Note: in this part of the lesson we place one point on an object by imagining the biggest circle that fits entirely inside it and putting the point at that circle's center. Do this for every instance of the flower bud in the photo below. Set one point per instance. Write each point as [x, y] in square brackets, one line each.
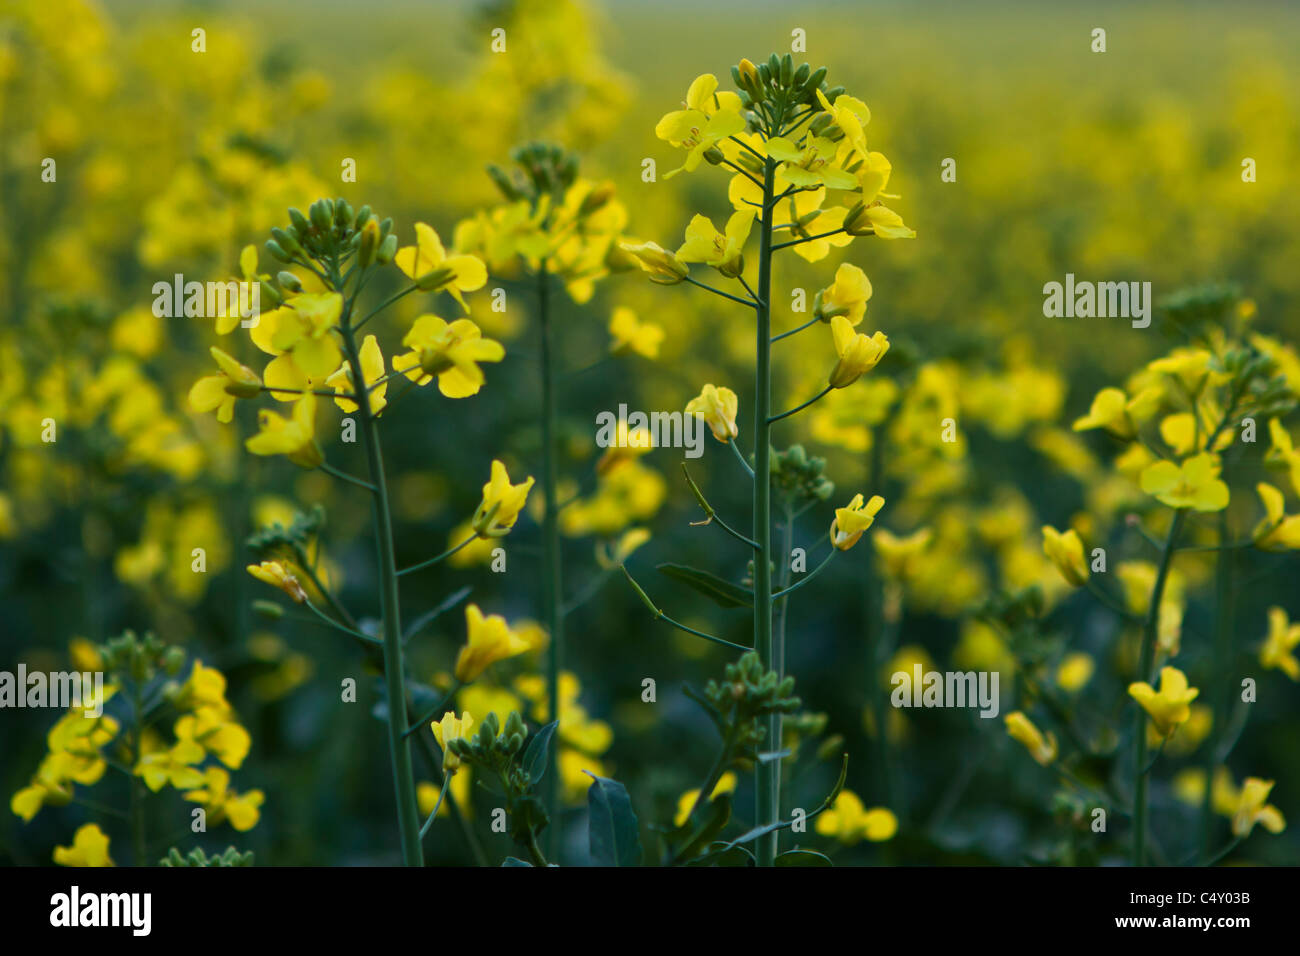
[387, 249]
[288, 281]
[369, 242]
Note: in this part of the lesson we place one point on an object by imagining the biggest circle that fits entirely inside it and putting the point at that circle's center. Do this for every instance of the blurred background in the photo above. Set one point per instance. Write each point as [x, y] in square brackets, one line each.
[1123, 165]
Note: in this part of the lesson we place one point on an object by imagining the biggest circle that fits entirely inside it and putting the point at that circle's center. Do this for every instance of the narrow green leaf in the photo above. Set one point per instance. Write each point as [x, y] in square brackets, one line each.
[721, 592]
[535, 756]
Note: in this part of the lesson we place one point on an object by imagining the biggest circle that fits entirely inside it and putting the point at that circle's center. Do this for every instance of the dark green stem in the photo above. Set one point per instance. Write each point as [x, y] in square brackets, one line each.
[552, 584]
[1141, 768]
[408, 811]
[767, 773]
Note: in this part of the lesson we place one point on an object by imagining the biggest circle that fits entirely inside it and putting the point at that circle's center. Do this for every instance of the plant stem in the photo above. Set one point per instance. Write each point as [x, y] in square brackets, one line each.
[767, 773]
[1141, 768]
[552, 596]
[139, 839]
[1219, 668]
[408, 813]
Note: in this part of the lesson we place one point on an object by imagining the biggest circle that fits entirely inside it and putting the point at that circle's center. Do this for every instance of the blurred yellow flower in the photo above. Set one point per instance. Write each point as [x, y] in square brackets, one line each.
[1278, 649]
[726, 784]
[1253, 808]
[1276, 531]
[1066, 552]
[489, 640]
[295, 438]
[630, 334]
[222, 803]
[849, 821]
[1194, 484]
[1170, 706]
[1021, 729]
[89, 848]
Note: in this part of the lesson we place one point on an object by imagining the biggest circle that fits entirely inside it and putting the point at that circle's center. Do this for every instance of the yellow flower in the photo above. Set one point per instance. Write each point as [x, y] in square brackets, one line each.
[812, 163]
[214, 731]
[1252, 808]
[1074, 671]
[372, 367]
[723, 251]
[1194, 484]
[205, 687]
[277, 575]
[301, 336]
[857, 353]
[1041, 747]
[630, 334]
[849, 821]
[850, 114]
[220, 391]
[846, 296]
[1277, 531]
[490, 640]
[726, 784]
[879, 221]
[1168, 708]
[1282, 452]
[294, 438]
[502, 502]
[449, 350]
[448, 729]
[222, 803]
[608, 557]
[89, 848]
[1279, 646]
[1189, 787]
[849, 523]
[719, 407]
[657, 262]
[1109, 411]
[173, 766]
[898, 556]
[1066, 552]
[708, 118]
[429, 265]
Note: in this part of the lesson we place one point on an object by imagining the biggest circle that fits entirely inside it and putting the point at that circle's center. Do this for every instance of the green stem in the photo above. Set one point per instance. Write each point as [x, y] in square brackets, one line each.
[139, 837]
[766, 773]
[1141, 768]
[552, 584]
[434, 560]
[408, 812]
[1219, 668]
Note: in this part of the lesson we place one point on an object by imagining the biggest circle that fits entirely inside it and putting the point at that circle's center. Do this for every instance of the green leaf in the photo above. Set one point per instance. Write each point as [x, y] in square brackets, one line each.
[612, 829]
[803, 858]
[723, 593]
[722, 855]
[535, 756]
[515, 861]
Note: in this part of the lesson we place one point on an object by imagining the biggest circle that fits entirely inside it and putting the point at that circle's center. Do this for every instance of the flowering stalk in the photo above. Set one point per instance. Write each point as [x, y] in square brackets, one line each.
[553, 595]
[1150, 629]
[768, 778]
[408, 814]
